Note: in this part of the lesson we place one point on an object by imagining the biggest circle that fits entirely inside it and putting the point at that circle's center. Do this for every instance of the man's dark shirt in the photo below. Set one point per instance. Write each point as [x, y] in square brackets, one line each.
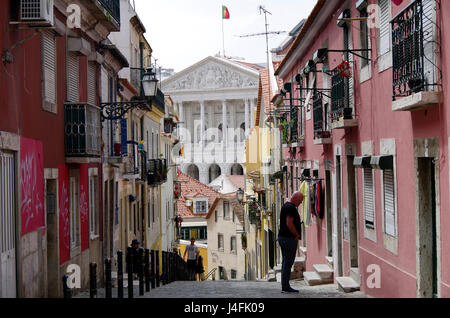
[289, 209]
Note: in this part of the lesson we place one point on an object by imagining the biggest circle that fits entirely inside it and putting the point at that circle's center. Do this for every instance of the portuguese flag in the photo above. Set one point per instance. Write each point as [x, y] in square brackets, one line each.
[225, 13]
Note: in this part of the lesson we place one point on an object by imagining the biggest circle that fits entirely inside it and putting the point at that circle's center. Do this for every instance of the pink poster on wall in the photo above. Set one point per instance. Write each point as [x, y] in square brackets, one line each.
[64, 230]
[32, 185]
[84, 206]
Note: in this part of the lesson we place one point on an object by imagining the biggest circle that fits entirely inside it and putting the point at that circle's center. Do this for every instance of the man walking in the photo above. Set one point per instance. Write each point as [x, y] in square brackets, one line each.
[288, 237]
[193, 252]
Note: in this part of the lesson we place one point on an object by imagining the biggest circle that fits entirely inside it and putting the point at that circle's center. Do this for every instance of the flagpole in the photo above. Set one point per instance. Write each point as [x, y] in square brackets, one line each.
[223, 36]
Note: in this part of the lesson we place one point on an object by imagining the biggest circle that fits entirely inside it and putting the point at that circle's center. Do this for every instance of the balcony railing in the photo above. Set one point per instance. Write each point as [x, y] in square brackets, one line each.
[82, 130]
[132, 163]
[157, 172]
[340, 94]
[113, 7]
[159, 102]
[413, 49]
[294, 124]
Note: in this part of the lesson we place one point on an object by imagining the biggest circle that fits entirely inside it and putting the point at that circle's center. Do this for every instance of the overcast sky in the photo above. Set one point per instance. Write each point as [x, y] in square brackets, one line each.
[183, 32]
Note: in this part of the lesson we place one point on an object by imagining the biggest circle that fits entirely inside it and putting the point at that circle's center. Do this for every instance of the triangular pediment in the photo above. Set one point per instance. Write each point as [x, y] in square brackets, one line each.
[212, 73]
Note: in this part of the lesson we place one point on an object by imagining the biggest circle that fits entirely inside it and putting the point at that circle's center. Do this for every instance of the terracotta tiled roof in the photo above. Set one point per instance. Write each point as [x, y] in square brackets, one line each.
[264, 92]
[237, 181]
[192, 188]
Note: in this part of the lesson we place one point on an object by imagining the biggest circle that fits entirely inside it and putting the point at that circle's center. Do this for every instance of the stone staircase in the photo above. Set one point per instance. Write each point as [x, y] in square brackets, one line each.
[350, 284]
[296, 272]
[323, 274]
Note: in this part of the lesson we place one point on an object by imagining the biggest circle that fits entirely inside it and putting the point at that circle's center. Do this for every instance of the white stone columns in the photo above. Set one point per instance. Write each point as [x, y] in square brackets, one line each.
[202, 127]
[224, 123]
[247, 119]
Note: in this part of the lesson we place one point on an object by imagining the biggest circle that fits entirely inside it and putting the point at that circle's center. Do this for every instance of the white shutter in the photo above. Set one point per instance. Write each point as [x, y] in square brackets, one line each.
[429, 20]
[389, 202]
[7, 226]
[385, 26]
[369, 206]
[72, 77]
[49, 70]
[92, 83]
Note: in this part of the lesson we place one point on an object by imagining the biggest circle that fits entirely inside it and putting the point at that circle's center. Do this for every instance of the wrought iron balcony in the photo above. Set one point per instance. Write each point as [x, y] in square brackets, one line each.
[159, 102]
[113, 7]
[157, 172]
[82, 131]
[294, 125]
[132, 162]
[341, 112]
[320, 134]
[414, 58]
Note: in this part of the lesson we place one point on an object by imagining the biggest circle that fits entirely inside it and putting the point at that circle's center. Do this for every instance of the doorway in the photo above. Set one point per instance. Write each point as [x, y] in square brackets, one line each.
[427, 284]
[8, 208]
[339, 215]
[352, 212]
[52, 237]
[329, 214]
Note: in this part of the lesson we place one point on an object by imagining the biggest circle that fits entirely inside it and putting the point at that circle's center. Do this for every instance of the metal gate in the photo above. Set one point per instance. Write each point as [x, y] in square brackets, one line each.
[7, 225]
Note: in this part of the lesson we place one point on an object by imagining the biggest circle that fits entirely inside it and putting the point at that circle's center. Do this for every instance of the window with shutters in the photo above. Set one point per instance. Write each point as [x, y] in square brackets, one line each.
[93, 206]
[220, 242]
[364, 36]
[390, 225]
[384, 31]
[226, 210]
[49, 73]
[92, 83]
[233, 245]
[72, 77]
[74, 205]
[369, 200]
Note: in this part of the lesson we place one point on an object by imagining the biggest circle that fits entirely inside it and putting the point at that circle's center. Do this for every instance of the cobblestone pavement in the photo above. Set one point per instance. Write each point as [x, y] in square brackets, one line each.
[246, 289]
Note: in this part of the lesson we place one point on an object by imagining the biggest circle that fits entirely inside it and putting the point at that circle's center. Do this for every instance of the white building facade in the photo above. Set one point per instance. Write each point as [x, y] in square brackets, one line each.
[216, 102]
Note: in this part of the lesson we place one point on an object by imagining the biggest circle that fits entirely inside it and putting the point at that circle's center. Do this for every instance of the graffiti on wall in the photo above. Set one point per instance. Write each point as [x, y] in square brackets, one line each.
[32, 185]
[64, 230]
[84, 206]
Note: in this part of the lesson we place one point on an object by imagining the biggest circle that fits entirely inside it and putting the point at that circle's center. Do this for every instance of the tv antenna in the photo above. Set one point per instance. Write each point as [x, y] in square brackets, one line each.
[262, 10]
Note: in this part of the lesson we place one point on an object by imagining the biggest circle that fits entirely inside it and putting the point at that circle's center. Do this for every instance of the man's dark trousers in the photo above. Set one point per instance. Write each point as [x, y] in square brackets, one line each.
[288, 251]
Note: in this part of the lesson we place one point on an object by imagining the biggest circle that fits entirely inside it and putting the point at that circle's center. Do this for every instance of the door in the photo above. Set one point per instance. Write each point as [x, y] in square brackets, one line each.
[353, 216]
[427, 244]
[339, 214]
[329, 212]
[7, 225]
[271, 244]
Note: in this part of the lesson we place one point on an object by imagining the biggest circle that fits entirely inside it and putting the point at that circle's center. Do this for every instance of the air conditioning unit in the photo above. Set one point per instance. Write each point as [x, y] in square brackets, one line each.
[37, 11]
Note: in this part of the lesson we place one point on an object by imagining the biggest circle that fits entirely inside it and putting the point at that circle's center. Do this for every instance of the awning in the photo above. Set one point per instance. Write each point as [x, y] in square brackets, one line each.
[362, 162]
[382, 162]
[186, 223]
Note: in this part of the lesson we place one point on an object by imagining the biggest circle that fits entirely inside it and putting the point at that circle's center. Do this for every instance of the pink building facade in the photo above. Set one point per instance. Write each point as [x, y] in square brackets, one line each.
[375, 132]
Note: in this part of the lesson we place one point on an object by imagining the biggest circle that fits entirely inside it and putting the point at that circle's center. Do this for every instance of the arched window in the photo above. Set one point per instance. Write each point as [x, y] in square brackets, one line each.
[237, 170]
[214, 172]
[193, 172]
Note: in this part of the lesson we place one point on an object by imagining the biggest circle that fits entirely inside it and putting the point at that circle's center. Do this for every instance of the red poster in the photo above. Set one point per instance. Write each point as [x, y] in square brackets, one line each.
[84, 206]
[32, 185]
[64, 230]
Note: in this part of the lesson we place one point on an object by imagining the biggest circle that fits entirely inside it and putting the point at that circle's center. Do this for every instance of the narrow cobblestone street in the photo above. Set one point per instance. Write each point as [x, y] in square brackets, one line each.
[246, 289]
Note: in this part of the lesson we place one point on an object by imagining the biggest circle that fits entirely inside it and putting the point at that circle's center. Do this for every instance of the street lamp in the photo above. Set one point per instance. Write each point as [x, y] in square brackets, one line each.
[149, 83]
[117, 110]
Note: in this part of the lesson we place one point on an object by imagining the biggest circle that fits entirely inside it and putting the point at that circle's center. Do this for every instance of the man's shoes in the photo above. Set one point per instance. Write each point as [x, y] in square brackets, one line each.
[290, 291]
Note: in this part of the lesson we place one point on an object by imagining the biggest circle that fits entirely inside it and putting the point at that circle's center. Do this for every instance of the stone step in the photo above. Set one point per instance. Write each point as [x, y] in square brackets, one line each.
[324, 271]
[355, 275]
[347, 284]
[330, 261]
[313, 279]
